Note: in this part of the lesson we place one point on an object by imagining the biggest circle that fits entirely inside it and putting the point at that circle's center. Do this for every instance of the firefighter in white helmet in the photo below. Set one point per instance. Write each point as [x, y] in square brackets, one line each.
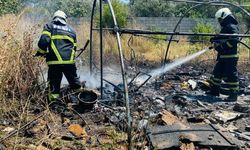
[58, 44]
[227, 58]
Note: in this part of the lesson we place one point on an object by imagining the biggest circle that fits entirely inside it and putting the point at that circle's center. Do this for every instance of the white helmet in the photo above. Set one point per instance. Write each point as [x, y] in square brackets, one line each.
[60, 16]
[222, 13]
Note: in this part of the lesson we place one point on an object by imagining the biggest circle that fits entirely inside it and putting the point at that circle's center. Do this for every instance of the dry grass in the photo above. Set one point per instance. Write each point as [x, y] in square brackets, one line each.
[19, 71]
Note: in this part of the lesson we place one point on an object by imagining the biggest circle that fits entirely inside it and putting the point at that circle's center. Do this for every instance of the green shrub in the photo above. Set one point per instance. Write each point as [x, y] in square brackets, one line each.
[121, 13]
[203, 28]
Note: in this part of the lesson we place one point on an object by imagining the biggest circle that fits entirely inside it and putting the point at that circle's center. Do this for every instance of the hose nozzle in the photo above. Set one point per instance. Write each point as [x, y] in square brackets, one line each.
[210, 47]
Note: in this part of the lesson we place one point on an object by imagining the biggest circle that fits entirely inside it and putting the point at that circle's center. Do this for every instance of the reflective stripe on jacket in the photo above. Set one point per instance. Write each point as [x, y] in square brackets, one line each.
[58, 42]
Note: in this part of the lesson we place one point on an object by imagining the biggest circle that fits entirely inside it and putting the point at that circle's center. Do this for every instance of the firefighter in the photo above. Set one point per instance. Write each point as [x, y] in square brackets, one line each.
[226, 68]
[58, 44]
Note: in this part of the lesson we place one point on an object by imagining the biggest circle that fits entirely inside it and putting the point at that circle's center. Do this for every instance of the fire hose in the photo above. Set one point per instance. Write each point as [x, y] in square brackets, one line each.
[247, 46]
[238, 41]
[83, 49]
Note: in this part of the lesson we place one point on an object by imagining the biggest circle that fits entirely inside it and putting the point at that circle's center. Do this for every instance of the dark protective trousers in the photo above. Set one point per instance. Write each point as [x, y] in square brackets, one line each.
[55, 74]
[225, 70]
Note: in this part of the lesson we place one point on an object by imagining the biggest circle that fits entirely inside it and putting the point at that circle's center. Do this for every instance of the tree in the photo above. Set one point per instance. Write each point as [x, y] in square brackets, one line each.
[151, 8]
[163, 8]
[10, 6]
[74, 8]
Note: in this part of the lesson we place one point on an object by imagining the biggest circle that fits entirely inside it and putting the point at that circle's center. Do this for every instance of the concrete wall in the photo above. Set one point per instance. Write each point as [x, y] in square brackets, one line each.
[158, 23]
[151, 23]
[168, 23]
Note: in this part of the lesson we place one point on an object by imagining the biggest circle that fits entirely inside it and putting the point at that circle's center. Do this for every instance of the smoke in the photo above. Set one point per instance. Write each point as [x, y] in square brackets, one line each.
[168, 67]
[112, 73]
[92, 81]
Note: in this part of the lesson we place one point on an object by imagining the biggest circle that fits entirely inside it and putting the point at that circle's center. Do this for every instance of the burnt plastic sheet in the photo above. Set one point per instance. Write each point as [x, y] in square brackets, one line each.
[167, 137]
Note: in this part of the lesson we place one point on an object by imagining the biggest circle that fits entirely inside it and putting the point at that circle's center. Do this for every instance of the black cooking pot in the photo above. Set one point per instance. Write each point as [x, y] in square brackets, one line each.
[87, 99]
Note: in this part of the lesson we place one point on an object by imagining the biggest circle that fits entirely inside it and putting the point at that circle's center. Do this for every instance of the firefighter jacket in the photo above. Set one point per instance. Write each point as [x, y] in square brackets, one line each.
[227, 46]
[58, 44]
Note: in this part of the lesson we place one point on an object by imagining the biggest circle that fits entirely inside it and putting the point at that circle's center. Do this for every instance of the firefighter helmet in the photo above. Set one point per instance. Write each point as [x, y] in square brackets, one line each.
[60, 16]
[222, 13]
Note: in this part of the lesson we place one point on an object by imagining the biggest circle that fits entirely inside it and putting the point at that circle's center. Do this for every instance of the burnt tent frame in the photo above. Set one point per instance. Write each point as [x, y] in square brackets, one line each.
[118, 32]
[124, 75]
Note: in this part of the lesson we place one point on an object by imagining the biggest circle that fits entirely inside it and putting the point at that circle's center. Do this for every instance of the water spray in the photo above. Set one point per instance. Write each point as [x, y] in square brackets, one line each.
[168, 67]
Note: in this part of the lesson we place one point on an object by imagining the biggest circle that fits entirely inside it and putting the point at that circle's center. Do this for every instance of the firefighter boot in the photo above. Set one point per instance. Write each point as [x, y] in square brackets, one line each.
[214, 91]
[232, 97]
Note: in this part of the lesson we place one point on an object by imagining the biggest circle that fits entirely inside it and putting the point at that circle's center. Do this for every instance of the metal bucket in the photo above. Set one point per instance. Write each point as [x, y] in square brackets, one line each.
[87, 99]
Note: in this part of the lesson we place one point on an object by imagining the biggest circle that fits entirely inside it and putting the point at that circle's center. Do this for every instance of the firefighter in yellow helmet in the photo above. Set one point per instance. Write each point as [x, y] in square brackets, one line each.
[58, 44]
[227, 58]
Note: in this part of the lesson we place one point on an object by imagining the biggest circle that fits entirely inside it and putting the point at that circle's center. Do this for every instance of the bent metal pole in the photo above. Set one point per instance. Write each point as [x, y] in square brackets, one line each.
[91, 38]
[197, 6]
[101, 48]
[196, 2]
[124, 76]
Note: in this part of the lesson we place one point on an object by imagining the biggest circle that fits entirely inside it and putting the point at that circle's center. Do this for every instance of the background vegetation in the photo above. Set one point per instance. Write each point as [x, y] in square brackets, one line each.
[202, 27]
[144, 8]
[11, 6]
[135, 8]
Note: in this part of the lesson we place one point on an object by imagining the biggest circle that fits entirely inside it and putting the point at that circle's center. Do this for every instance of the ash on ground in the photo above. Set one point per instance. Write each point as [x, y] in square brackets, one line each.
[170, 112]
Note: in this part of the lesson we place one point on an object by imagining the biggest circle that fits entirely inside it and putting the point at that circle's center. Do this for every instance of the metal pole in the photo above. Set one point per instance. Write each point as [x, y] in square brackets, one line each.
[91, 39]
[147, 32]
[124, 77]
[101, 49]
[196, 2]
